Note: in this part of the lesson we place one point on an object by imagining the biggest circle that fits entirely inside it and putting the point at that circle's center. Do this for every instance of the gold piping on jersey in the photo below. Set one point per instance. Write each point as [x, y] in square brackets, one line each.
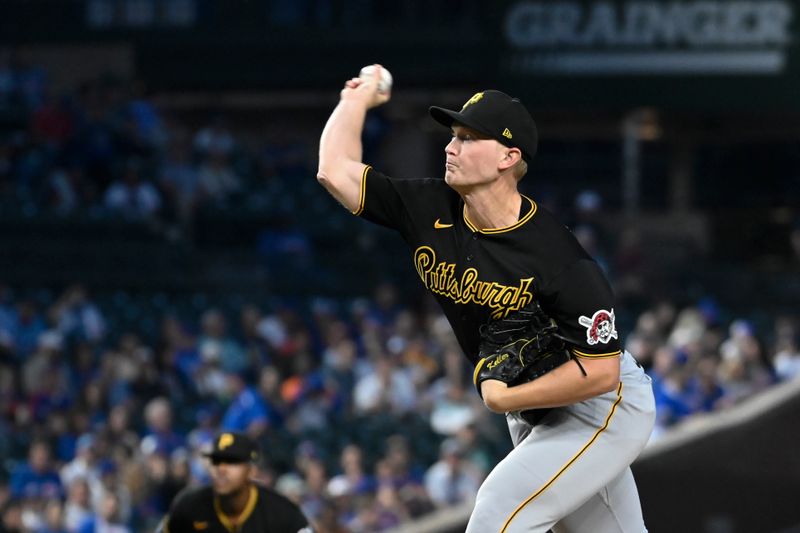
[491, 231]
[478, 369]
[440, 278]
[235, 525]
[596, 355]
[568, 464]
[362, 191]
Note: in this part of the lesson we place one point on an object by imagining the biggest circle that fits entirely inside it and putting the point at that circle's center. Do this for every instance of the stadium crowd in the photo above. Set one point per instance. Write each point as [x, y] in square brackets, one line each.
[364, 407]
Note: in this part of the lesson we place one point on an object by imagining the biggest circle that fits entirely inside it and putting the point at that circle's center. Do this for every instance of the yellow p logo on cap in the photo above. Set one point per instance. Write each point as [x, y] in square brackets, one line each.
[474, 99]
[225, 440]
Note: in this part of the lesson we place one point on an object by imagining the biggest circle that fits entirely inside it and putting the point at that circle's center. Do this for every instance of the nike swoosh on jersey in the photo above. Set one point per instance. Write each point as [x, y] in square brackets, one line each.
[439, 225]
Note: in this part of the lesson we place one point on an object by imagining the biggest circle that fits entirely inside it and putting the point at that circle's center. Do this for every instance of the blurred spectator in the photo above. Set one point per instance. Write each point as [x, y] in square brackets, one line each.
[179, 352]
[452, 480]
[247, 412]
[399, 469]
[11, 517]
[77, 316]
[68, 190]
[218, 182]
[703, 391]
[454, 410]
[115, 485]
[315, 406]
[298, 367]
[147, 123]
[316, 481]
[160, 435]
[475, 452]
[588, 207]
[36, 478]
[292, 486]
[353, 474]
[131, 196]
[53, 518]
[331, 517]
[78, 508]
[668, 382]
[106, 519]
[389, 510]
[688, 329]
[118, 430]
[46, 376]
[159, 487]
[84, 469]
[216, 345]
[385, 306]
[274, 330]
[340, 366]
[179, 475]
[269, 388]
[215, 137]
[787, 353]
[743, 370]
[388, 389]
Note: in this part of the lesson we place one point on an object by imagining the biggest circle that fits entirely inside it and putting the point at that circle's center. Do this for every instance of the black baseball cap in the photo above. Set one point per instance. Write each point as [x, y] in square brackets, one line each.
[234, 448]
[496, 115]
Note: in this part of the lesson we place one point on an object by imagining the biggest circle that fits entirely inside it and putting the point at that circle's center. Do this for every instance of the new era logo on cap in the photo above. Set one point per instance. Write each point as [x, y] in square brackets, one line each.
[495, 114]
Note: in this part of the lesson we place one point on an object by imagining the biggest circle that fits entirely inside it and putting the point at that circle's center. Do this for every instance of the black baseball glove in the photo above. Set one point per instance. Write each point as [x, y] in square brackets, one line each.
[519, 348]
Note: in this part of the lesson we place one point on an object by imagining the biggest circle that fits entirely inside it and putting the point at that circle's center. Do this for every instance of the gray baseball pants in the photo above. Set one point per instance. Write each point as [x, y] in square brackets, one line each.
[571, 472]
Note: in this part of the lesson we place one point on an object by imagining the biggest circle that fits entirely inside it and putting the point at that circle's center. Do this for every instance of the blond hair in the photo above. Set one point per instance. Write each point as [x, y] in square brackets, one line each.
[520, 169]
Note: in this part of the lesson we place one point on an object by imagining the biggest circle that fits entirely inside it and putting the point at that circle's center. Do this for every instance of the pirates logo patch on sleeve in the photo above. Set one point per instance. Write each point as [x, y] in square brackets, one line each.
[600, 328]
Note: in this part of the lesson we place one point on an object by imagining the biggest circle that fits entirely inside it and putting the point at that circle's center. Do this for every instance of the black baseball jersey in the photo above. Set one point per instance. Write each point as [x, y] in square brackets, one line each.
[478, 274]
[198, 510]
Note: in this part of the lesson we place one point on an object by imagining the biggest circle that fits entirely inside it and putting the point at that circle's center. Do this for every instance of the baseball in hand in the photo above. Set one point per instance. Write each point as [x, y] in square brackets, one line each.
[385, 83]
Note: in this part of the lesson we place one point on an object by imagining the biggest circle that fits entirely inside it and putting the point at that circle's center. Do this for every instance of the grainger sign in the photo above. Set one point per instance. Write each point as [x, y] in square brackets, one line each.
[643, 38]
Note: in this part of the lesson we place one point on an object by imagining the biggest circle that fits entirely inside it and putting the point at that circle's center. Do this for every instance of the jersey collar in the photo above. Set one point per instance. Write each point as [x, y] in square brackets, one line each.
[532, 207]
[232, 524]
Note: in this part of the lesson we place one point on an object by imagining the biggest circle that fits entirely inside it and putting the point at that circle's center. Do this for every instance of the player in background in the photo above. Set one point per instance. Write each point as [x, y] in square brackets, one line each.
[233, 503]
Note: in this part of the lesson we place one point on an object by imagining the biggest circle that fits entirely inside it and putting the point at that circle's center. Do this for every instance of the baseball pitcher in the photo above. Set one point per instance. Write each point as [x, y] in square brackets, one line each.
[530, 308]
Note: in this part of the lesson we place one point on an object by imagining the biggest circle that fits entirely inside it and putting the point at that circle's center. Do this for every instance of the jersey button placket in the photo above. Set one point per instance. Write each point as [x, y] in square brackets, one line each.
[470, 256]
